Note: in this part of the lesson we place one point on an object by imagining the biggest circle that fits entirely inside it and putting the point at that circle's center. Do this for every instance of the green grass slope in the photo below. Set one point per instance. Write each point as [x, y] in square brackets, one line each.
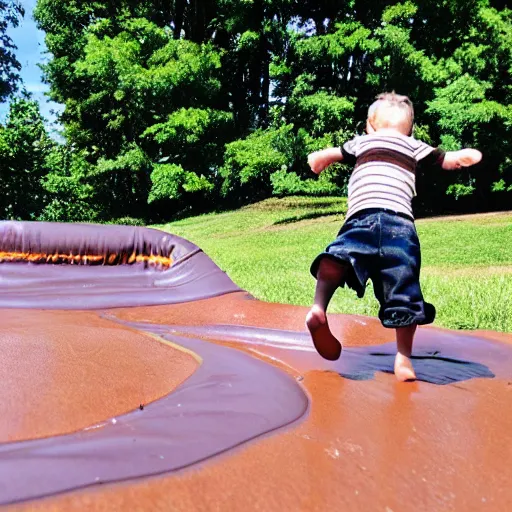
[267, 248]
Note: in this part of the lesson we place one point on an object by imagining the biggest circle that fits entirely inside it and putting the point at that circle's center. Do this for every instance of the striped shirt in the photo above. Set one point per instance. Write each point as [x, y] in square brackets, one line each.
[384, 175]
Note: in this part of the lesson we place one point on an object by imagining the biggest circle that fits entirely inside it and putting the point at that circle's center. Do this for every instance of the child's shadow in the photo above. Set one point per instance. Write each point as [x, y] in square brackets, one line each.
[361, 363]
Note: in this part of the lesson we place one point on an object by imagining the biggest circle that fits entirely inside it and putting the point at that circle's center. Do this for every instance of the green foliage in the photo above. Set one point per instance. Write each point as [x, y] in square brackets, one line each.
[188, 126]
[191, 136]
[401, 13]
[459, 190]
[149, 98]
[10, 13]
[249, 163]
[128, 221]
[24, 145]
[71, 196]
[184, 105]
[289, 183]
[462, 108]
[130, 160]
[322, 112]
[135, 78]
[172, 182]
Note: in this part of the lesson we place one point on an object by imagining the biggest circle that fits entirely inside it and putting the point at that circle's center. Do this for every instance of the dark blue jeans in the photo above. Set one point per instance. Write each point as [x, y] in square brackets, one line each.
[383, 246]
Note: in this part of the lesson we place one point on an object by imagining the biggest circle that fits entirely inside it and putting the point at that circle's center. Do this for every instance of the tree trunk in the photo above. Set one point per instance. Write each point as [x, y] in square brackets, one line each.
[265, 82]
[179, 16]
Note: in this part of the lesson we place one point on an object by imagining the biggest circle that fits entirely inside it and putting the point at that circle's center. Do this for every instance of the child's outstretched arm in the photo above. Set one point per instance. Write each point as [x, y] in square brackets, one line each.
[462, 158]
[319, 160]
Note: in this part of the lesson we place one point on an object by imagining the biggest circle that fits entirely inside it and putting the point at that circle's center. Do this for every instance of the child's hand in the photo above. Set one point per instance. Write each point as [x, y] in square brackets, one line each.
[317, 162]
[462, 158]
[469, 157]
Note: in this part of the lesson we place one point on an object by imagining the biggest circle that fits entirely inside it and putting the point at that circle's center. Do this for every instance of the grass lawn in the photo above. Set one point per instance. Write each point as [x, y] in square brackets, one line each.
[267, 248]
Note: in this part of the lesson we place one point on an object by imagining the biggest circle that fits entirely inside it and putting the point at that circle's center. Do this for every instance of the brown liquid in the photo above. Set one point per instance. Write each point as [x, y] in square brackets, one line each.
[239, 413]
[365, 444]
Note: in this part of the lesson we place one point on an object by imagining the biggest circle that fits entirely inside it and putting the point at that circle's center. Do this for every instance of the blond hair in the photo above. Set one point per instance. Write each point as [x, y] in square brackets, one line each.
[391, 110]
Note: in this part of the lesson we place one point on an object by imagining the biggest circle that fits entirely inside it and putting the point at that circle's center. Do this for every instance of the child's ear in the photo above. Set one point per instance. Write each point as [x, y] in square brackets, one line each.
[369, 127]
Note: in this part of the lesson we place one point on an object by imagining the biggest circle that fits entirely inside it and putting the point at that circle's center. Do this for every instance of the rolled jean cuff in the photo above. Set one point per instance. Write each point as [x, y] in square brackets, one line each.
[400, 316]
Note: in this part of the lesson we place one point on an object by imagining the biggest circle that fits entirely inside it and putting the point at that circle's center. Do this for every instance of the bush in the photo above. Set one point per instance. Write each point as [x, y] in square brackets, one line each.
[286, 183]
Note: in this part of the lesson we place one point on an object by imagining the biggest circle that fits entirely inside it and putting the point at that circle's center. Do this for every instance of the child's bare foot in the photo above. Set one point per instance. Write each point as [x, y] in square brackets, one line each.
[325, 343]
[403, 368]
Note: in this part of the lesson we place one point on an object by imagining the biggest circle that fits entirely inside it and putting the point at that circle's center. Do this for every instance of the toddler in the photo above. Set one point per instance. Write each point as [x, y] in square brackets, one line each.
[378, 240]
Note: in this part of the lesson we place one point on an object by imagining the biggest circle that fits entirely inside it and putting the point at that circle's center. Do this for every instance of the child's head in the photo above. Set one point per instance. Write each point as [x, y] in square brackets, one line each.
[391, 110]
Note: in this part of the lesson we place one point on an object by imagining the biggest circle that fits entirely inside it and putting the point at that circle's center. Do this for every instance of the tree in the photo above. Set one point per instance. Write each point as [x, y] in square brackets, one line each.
[182, 103]
[150, 100]
[24, 146]
[454, 72]
[70, 191]
[10, 13]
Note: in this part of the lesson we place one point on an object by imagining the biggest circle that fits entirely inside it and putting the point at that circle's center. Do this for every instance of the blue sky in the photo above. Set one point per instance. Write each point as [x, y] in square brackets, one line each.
[30, 53]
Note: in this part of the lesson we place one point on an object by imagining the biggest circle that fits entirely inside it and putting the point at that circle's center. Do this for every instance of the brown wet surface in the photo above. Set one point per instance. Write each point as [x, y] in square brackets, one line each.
[366, 444]
[240, 309]
[236, 435]
[64, 372]
[392, 453]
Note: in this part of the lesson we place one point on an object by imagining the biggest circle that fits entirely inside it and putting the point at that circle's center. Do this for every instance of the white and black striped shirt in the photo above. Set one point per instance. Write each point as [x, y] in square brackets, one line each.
[384, 175]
